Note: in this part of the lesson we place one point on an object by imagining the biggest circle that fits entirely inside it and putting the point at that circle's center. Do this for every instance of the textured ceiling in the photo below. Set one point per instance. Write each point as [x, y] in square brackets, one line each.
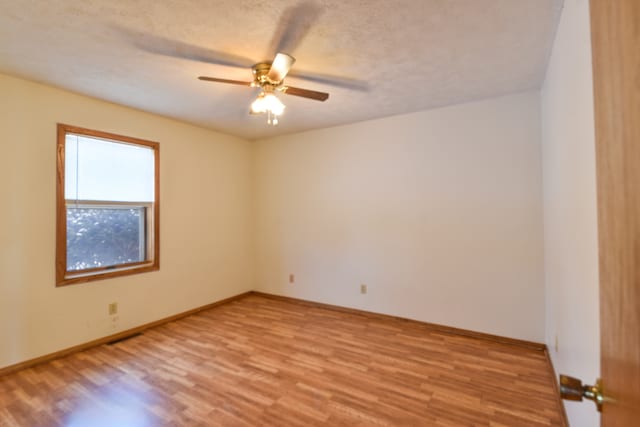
[375, 57]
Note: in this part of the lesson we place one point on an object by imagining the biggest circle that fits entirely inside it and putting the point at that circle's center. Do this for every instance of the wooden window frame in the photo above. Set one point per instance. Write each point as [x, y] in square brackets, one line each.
[152, 211]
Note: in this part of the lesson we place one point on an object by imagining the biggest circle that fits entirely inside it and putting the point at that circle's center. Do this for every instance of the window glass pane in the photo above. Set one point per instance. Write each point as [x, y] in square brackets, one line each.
[102, 170]
[101, 237]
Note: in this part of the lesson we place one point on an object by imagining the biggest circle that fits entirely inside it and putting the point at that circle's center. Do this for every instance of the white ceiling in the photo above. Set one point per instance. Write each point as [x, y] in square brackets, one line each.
[383, 57]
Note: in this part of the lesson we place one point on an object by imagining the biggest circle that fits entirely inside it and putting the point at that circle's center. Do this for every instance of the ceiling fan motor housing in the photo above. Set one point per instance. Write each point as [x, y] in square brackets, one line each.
[261, 74]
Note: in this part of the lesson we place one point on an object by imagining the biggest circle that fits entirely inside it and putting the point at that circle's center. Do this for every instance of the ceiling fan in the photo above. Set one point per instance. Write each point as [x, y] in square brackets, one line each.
[294, 23]
[269, 76]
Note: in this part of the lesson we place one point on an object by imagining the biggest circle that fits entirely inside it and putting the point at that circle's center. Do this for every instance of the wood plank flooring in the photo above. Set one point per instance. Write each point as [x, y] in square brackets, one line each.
[259, 361]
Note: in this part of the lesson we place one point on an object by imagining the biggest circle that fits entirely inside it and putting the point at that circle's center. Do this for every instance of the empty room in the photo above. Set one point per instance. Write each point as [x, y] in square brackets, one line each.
[319, 212]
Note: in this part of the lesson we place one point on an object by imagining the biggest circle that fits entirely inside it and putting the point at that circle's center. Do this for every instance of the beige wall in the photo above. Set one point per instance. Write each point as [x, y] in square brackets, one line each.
[206, 249]
[570, 217]
[438, 212]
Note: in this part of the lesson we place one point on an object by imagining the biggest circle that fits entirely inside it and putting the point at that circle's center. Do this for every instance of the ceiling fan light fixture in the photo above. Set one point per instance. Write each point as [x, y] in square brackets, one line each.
[258, 106]
[270, 104]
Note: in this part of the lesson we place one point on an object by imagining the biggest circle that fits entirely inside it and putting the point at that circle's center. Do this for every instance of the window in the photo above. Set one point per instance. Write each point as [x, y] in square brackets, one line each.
[107, 205]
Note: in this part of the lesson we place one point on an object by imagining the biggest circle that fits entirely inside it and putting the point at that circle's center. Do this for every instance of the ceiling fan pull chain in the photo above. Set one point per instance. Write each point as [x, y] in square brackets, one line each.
[272, 118]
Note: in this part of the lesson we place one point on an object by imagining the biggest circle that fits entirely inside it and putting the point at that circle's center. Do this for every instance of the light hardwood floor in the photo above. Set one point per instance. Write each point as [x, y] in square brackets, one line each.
[260, 361]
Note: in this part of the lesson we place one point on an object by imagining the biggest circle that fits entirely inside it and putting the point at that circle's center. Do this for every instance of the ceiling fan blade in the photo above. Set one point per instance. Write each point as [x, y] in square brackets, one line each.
[343, 82]
[233, 82]
[280, 67]
[159, 45]
[293, 26]
[306, 93]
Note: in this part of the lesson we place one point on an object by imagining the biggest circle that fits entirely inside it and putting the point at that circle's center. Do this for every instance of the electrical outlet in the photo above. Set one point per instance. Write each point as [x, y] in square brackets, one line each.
[113, 308]
[292, 278]
[363, 288]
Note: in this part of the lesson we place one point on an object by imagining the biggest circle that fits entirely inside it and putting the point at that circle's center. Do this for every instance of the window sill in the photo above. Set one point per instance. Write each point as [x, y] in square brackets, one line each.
[71, 278]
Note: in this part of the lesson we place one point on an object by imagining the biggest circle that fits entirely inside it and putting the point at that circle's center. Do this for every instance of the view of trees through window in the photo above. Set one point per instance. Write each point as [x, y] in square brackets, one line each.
[102, 237]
